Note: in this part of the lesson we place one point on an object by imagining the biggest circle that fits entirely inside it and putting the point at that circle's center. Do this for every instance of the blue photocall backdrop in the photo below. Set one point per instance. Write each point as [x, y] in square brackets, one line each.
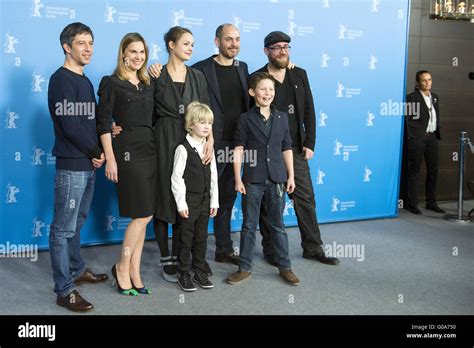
[353, 51]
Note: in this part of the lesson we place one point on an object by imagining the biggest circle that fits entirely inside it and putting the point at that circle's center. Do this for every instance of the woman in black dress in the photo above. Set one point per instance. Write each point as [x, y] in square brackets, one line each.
[177, 86]
[126, 97]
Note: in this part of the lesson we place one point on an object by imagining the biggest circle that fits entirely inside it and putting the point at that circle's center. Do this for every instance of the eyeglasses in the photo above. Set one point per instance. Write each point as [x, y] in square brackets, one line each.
[280, 48]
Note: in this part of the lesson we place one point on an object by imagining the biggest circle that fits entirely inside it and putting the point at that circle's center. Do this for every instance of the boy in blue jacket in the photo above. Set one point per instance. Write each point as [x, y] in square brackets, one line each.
[264, 131]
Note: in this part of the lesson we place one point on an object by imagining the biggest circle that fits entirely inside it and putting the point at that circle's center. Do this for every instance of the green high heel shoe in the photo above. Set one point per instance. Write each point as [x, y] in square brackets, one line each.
[126, 292]
[143, 291]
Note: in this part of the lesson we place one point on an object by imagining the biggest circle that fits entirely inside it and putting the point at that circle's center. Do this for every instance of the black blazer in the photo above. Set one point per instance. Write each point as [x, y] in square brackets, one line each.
[304, 105]
[250, 134]
[415, 125]
[207, 67]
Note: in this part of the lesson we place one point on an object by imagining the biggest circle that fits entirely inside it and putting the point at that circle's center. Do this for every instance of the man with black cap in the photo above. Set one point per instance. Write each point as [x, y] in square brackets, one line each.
[293, 96]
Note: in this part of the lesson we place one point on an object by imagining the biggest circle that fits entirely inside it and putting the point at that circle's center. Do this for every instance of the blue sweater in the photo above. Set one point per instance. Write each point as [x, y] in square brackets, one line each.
[73, 107]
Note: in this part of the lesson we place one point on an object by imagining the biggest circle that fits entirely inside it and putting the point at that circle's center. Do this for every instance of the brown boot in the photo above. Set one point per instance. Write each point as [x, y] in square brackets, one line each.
[74, 302]
[238, 277]
[289, 277]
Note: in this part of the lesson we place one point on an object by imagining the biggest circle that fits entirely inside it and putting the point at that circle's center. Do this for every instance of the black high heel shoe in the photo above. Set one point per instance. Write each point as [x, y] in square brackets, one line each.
[143, 291]
[126, 292]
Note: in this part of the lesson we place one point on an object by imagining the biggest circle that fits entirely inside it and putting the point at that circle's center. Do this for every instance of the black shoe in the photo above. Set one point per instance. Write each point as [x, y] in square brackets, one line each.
[436, 208]
[227, 258]
[207, 269]
[74, 302]
[185, 282]
[201, 278]
[169, 269]
[413, 210]
[126, 292]
[323, 259]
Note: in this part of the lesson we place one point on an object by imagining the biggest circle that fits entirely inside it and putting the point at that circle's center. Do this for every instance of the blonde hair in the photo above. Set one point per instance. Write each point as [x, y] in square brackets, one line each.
[121, 69]
[197, 112]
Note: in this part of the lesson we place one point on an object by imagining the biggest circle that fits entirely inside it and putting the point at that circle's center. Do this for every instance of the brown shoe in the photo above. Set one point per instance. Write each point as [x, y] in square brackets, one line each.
[89, 277]
[238, 277]
[289, 277]
[74, 302]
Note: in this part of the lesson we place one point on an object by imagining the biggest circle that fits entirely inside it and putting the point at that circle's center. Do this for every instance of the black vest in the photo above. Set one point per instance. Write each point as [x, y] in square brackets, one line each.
[197, 176]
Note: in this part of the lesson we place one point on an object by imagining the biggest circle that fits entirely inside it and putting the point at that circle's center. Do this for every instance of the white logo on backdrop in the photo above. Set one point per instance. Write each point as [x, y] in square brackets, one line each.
[338, 205]
[109, 13]
[110, 220]
[37, 6]
[234, 213]
[346, 150]
[340, 88]
[350, 92]
[370, 119]
[319, 179]
[36, 83]
[375, 6]
[179, 18]
[37, 226]
[322, 118]
[237, 22]
[288, 205]
[37, 154]
[367, 173]
[52, 12]
[335, 204]
[337, 147]
[348, 34]
[11, 193]
[291, 23]
[155, 49]
[11, 118]
[245, 26]
[298, 30]
[372, 61]
[112, 14]
[324, 60]
[342, 32]
[10, 42]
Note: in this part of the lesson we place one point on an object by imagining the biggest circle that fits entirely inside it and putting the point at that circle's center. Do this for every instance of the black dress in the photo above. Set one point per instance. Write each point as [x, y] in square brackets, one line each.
[170, 107]
[134, 148]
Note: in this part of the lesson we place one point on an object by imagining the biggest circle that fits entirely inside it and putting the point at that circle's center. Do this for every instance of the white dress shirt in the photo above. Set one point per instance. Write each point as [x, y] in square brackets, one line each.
[432, 122]
[177, 182]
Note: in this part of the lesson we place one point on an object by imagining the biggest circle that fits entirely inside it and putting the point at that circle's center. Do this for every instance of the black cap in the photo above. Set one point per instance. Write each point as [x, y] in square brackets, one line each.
[274, 37]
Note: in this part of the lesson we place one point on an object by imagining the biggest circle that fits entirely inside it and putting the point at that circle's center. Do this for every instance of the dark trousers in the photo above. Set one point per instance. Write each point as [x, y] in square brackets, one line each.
[418, 148]
[305, 209]
[227, 196]
[193, 232]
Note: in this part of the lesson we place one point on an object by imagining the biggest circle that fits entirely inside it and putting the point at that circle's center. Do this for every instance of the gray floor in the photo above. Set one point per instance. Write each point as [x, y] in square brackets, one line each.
[408, 267]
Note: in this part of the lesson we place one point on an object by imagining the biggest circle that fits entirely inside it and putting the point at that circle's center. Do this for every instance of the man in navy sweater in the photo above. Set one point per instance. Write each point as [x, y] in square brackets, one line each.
[72, 106]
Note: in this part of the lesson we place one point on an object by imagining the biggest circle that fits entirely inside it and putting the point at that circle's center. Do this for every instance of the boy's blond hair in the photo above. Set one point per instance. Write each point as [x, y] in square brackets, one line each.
[197, 112]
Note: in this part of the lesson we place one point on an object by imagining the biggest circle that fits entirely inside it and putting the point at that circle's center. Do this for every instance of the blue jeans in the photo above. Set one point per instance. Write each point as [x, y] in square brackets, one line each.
[73, 192]
[275, 203]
